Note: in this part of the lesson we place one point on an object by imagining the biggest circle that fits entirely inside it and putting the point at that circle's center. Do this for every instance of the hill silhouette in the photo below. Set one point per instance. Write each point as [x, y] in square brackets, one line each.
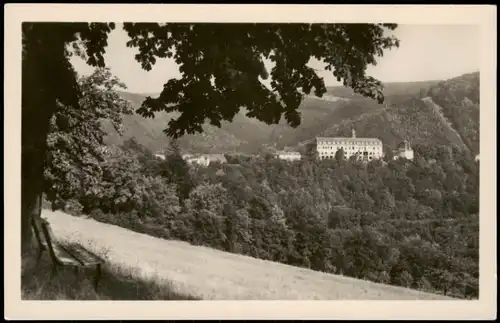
[441, 112]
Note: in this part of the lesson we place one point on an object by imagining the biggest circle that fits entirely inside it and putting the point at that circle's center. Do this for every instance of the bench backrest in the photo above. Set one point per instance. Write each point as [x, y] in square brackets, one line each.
[37, 230]
[78, 255]
[46, 239]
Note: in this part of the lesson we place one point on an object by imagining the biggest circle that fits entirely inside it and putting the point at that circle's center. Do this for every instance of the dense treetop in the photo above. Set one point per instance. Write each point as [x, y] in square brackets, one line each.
[221, 65]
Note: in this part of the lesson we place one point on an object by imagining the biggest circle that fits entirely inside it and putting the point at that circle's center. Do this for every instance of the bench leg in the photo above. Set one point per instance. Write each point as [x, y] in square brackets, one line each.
[97, 276]
[39, 257]
[54, 271]
[76, 272]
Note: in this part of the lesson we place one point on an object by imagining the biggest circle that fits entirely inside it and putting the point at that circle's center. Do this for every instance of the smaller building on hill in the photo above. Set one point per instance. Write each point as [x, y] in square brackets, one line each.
[160, 156]
[204, 159]
[217, 158]
[288, 155]
[200, 160]
[404, 150]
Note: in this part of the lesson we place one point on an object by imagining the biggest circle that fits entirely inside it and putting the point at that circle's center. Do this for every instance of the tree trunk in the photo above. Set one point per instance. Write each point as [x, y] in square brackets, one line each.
[39, 72]
[32, 162]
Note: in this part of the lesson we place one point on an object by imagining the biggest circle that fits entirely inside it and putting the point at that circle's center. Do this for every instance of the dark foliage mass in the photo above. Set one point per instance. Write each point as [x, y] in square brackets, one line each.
[75, 142]
[221, 67]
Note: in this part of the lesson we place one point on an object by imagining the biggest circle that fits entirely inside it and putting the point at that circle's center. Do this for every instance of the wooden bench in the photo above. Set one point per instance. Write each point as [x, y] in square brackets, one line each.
[64, 256]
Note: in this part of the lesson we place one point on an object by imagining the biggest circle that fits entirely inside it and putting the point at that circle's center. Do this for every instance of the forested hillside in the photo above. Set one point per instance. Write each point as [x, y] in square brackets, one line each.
[442, 112]
[459, 101]
[407, 223]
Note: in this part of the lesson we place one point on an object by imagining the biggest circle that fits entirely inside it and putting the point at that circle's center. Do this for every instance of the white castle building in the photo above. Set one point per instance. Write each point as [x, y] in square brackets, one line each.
[404, 150]
[288, 155]
[365, 148]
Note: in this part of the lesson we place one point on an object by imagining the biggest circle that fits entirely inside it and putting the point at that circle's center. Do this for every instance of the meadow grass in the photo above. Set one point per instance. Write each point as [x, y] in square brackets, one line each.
[116, 283]
[177, 268]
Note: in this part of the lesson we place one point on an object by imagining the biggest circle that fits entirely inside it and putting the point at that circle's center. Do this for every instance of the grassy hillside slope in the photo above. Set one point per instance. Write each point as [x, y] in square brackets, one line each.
[214, 275]
[116, 283]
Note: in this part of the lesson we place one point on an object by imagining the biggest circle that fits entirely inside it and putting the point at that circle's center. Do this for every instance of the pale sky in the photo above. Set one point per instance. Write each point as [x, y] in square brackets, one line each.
[426, 52]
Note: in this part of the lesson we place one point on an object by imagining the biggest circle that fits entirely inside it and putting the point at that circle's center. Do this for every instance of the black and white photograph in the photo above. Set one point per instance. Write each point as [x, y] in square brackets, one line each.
[188, 159]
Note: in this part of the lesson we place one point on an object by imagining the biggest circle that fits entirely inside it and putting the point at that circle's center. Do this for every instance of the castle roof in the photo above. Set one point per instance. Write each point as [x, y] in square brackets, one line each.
[350, 140]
